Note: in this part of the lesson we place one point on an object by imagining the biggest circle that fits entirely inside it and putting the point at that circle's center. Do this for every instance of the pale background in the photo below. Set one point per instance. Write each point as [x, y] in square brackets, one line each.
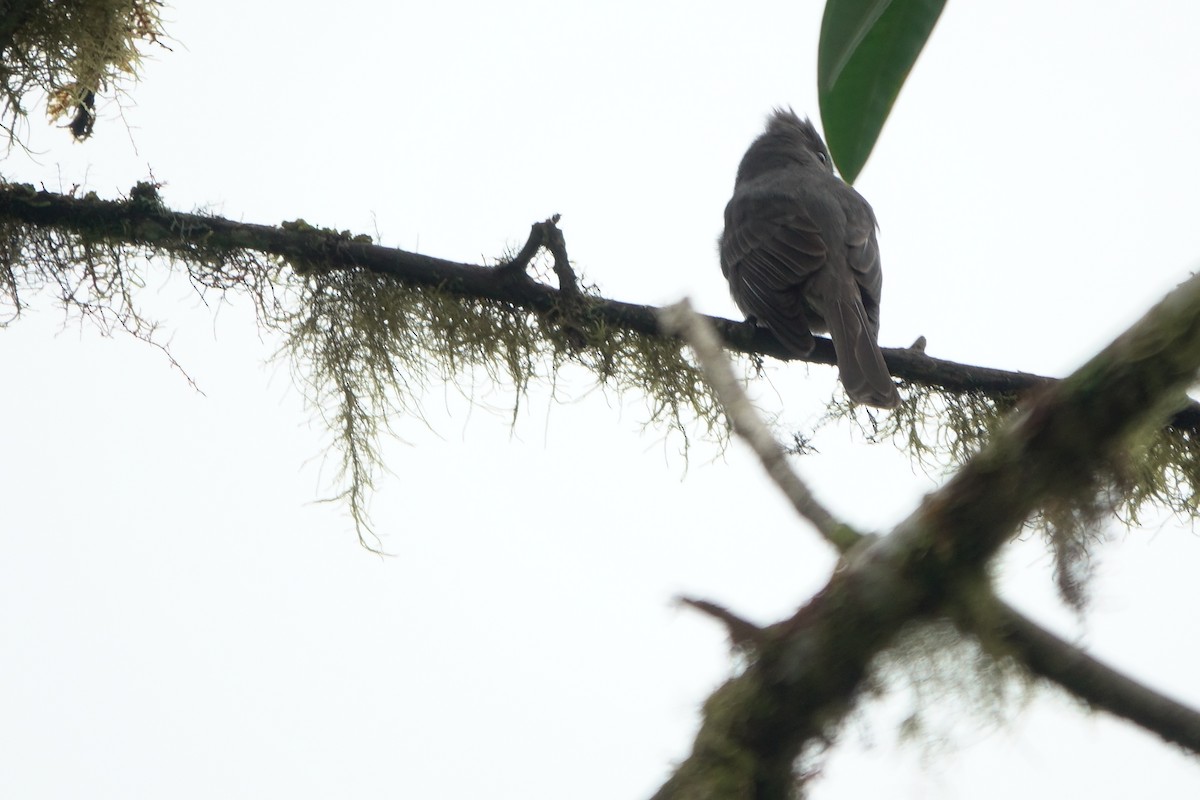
[179, 619]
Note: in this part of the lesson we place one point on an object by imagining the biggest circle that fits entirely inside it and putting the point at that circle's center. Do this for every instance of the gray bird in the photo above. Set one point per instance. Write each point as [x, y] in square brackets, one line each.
[801, 257]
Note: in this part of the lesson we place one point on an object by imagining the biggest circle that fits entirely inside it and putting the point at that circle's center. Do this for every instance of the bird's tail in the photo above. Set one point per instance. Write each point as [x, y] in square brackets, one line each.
[860, 361]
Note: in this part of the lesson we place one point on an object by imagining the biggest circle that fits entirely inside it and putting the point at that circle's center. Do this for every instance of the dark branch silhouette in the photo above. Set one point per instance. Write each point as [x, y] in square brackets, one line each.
[142, 221]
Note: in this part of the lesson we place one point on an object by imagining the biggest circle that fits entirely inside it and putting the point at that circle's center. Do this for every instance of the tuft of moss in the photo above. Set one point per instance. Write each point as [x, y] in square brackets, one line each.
[70, 50]
[367, 347]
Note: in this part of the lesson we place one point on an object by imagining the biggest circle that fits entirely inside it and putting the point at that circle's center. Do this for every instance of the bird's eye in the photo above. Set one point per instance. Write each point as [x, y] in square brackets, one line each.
[821, 156]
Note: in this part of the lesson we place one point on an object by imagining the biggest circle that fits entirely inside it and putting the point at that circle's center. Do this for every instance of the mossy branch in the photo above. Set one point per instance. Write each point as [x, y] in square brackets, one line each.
[423, 319]
[71, 51]
[310, 249]
[1007, 631]
[806, 672]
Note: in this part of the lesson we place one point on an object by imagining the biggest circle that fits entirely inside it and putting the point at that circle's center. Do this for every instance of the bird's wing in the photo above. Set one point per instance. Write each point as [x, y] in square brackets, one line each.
[769, 251]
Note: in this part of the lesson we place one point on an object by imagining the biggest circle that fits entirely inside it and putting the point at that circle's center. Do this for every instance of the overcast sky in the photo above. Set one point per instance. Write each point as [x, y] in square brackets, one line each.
[180, 619]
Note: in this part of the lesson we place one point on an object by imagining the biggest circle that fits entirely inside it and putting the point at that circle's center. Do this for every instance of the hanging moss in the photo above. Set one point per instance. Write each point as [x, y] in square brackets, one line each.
[367, 344]
[368, 347]
[69, 51]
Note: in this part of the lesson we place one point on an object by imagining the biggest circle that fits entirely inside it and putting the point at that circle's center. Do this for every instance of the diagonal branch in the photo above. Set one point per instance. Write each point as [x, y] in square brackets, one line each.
[979, 611]
[681, 320]
[1088, 679]
[808, 669]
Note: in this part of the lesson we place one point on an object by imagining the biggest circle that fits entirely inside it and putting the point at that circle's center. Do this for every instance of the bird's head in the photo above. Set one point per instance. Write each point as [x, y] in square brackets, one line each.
[787, 141]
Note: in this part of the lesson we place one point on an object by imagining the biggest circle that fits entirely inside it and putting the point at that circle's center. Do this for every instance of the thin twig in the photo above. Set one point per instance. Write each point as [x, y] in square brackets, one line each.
[681, 320]
[535, 242]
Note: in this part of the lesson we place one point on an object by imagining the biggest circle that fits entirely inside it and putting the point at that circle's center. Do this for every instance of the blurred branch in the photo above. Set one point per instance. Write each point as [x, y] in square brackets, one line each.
[681, 320]
[1091, 681]
[807, 670]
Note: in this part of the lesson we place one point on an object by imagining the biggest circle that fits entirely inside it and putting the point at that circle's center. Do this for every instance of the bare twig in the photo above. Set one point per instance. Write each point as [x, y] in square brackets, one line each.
[742, 633]
[538, 238]
[681, 320]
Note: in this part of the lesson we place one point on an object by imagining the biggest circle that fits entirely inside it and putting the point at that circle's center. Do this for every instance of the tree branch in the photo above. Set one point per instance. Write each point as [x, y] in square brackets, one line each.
[142, 221]
[982, 612]
[808, 669]
[1093, 682]
[805, 671]
[681, 320]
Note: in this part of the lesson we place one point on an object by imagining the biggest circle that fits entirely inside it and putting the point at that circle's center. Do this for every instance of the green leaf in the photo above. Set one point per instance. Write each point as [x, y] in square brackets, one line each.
[866, 50]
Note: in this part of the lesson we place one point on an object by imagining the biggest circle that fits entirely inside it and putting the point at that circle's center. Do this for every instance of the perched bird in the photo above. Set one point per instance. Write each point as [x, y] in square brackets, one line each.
[801, 257]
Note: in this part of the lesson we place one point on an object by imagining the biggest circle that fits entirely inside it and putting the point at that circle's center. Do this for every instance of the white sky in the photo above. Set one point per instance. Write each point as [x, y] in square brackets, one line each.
[180, 620]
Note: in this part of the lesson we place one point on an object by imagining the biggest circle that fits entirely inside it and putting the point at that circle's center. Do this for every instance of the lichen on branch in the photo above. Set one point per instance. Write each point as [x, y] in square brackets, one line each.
[70, 51]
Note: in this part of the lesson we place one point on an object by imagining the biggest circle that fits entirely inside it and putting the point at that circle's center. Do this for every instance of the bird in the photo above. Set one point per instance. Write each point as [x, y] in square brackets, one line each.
[801, 256]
